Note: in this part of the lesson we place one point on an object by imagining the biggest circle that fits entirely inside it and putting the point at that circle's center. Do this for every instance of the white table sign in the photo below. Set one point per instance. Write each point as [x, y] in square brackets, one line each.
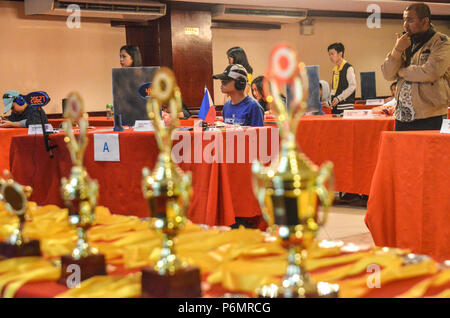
[143, 125]
[106, 147]
[37, 129]
[370, 102]
[445, 128]
[358, 113]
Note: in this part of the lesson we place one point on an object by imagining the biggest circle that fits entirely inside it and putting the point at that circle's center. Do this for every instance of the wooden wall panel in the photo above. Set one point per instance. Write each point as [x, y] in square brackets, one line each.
[164, 42]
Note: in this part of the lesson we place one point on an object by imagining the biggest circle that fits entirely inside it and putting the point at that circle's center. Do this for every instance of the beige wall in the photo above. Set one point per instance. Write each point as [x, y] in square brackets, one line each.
[365, 48]
[44, 54]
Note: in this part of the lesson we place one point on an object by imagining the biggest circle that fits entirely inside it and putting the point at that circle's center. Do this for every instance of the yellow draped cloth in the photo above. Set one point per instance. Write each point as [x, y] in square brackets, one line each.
[240, 260]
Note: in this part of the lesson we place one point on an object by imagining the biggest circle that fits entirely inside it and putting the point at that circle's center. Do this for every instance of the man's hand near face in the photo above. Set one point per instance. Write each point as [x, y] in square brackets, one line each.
[403, 42]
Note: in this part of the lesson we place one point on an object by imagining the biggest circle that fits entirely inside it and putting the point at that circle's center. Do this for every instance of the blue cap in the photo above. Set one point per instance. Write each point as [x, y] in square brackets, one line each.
[8, 99]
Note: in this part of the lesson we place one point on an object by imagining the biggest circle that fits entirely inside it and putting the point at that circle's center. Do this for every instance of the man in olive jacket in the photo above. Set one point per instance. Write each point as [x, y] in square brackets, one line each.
[420, 62]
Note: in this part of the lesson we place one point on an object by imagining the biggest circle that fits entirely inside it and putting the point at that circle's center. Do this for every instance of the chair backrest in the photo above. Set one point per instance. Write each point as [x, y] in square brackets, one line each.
[368, 85]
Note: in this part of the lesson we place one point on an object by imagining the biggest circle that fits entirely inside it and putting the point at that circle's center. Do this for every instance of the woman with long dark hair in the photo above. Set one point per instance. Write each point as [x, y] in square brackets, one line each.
[130, 56]
[236, 55]
[258, 94]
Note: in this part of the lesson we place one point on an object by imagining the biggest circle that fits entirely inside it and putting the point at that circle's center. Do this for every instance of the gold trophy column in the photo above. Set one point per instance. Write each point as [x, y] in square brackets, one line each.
[290, 191]
[167, 190]
[79, 194]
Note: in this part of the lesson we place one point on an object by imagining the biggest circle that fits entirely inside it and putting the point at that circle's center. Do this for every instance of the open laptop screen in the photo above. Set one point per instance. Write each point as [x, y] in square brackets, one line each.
[130, 89]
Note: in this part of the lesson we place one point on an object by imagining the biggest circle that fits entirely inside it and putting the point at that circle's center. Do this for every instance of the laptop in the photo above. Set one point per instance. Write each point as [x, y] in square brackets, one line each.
[130, 86]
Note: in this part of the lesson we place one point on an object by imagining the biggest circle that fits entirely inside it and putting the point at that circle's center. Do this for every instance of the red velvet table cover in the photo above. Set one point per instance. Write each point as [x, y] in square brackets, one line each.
[105, 122]
[351, 144]
[222, 191]
[93, 121]
[6, 135]
[409, 204]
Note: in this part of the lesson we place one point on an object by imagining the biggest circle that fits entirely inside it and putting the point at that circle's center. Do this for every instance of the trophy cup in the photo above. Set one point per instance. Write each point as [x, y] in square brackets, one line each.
[289, 191]
[167, 190]
[15, 197]
[79, 194]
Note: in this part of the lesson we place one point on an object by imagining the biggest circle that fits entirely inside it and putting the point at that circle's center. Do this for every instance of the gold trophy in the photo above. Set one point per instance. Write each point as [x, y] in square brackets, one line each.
[290, 190]
[79, 194]
[16, 197]
[167, 190]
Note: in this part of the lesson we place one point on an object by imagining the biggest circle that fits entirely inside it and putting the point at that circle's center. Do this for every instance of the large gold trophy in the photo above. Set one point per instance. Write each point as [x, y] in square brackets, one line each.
[290, 190]
[167, 190]
[79, 194]
[16, 197]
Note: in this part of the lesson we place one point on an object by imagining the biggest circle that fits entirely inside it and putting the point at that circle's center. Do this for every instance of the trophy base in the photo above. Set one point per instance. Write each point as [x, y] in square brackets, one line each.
[92, 265]
[30, 248]
[185, 283]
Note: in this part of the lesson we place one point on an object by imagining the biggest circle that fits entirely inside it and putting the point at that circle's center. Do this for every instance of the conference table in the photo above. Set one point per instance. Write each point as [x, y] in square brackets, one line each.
[103, 121]
[222, 190]
[6, 135]
[100, 121]
[350, 144]
[327, 110]
[409, 203]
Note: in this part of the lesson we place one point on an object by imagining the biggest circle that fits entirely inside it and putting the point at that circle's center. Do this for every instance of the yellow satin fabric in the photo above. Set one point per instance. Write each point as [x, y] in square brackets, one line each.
[358, 287]
[107, 287]
[16, 272]
[239, 260]
[247, 274]
[421, 288]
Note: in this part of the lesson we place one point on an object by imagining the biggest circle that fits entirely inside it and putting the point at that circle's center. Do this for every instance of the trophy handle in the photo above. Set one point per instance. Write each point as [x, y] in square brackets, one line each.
[326, 194]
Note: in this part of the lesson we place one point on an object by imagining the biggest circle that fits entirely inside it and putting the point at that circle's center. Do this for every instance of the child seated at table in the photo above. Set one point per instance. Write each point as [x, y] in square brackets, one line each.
[21, 116]
[240, 109]
[388, 107]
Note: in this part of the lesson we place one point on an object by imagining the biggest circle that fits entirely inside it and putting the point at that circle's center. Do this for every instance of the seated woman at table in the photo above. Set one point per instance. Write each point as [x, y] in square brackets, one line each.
[167, 118]
[130, 56]
[258, 94]
[21, 116]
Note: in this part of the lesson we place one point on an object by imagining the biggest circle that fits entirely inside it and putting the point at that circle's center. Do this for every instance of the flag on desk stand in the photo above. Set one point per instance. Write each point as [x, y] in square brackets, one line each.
[207, 110]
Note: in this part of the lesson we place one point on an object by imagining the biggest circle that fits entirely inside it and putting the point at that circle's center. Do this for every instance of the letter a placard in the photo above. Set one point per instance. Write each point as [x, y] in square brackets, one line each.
[106, 147]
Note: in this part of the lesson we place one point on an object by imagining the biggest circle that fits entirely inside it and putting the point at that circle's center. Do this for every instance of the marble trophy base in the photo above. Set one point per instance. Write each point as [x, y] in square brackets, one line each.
[92, 265]
[185, 283]
[30, 248]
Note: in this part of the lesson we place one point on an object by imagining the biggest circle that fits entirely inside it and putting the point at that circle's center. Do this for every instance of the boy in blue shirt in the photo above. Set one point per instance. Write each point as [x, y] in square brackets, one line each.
[239, 109]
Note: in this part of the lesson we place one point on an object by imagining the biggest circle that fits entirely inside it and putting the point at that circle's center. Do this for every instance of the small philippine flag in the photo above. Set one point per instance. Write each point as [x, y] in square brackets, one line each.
[207, 110]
